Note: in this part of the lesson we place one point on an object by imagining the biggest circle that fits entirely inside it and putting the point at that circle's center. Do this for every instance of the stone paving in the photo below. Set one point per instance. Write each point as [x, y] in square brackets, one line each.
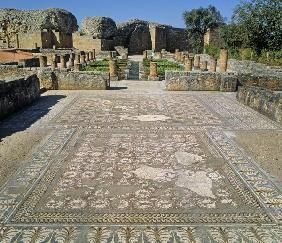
[139, 164]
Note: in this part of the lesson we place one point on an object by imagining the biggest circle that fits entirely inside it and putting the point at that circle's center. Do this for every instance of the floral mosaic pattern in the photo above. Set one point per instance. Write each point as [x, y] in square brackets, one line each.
[118, 160]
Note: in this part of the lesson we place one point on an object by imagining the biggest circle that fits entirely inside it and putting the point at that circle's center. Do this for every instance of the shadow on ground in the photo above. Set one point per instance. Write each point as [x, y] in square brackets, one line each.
[117, 88]
[23, 119]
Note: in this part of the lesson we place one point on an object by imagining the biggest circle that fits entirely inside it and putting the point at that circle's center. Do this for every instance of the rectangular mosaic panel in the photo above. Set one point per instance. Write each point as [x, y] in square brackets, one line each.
[140, 178]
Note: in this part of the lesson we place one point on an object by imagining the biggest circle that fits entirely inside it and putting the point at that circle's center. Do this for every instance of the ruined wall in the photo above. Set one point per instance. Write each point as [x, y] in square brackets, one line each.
[200, 81]
[10, 71]
[73, 80]
[82, 80]
[158, 37]
[176, 39]
[17, 93]
[138, 36]
[88, 43]
[250, 72]
[29, 21]
[262, 100]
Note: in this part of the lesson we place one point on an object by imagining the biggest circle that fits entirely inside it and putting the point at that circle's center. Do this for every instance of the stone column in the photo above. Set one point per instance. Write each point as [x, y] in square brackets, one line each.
[145, 55]
[113, 68]
[72, 55]
[77, 58]
[153, 70]
[90, 56]
[183, 59]
[35, 45]
[87, 56]
[213, 64]
[204, 66]
[43, 61]
[63, 61]
[94, 54]
[77, 67]
[223, 60]
[176, 53]
[82, 59]
[54, 64]
[197, 60]
[71, 62]
[188, 65]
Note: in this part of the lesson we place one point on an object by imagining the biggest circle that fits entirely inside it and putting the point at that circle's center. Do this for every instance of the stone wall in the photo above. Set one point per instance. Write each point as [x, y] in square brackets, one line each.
[262, 100]
[138, 36]
[82, 80]
[16, 93]
[200, 81]
[259, 74]
[88, 43]
[73, 80]
[10, 71]
[30, 21]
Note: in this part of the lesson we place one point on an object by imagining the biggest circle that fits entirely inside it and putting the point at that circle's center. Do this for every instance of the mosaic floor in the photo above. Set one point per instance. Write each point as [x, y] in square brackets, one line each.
[138, 164]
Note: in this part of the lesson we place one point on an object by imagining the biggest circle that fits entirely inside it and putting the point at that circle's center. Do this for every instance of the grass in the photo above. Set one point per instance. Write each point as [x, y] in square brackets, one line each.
[163, 65]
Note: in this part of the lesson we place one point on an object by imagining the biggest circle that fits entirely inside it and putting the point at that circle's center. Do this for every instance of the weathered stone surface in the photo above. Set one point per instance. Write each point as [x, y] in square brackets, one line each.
[200, 81]
[82, 80]
[262, 100]
[17, 92]
[229, 83]
[99, 27]
[271, 81]
[48, 79]
[21, 21]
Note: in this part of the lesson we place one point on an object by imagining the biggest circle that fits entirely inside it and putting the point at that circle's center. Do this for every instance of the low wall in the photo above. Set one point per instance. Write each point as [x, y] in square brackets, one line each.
[200, 81]
[73, 80]
[262, 100]
[9, 71]
[18, 92]
[271, 81]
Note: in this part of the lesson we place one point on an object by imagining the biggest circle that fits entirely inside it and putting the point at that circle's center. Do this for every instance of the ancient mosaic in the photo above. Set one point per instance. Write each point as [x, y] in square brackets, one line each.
[142, 167]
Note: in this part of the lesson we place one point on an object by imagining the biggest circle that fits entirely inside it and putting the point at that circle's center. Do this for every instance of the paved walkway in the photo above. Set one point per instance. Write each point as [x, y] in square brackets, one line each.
[138, 164]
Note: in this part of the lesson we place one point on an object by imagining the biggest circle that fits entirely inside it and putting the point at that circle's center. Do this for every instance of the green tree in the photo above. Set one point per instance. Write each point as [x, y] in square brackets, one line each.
[198, 21]
[261, 21]
[234, 36]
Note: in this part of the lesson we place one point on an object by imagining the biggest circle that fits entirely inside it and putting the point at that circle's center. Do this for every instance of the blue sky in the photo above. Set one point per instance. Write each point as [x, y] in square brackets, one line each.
[162, 11]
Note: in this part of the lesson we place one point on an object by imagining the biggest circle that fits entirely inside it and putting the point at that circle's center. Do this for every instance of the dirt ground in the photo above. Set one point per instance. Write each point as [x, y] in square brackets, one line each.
[266, 148]
[15, 149]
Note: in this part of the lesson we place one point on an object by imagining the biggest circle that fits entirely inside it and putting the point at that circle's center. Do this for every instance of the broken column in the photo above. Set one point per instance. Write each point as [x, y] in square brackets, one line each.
[90, 56]
[77, 58]
[223, 60]
[54, 64]
[145, 55]
[71, 62]
[188, 65]
[82, 59]
[197, 60]
[43, 61]
[77, 67]
[87, 57]
[176, 53]
[213, 64]
[204, 66]
[153, 72]
[94, 54]
[183, 60]
[113, 69]
[63, 61]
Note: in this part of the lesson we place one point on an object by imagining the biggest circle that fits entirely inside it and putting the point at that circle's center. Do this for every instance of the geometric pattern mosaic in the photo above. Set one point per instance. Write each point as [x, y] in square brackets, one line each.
[140, 165]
